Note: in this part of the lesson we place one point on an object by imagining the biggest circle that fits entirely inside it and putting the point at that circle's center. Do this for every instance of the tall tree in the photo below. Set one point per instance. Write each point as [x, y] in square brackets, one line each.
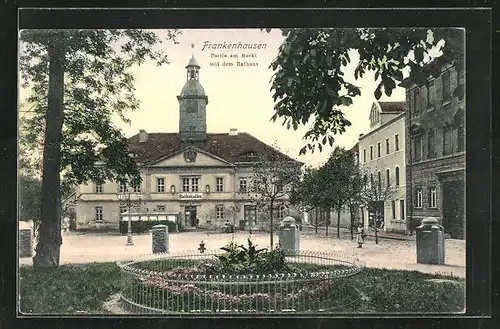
[77, 80]
[306, 192]
[337, 174]
[272, 180]
[374, 196]
[310, 82]
[354, 197]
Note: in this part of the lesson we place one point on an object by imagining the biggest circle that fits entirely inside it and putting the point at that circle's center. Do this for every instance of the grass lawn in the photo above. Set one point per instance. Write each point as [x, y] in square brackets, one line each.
[82, 289]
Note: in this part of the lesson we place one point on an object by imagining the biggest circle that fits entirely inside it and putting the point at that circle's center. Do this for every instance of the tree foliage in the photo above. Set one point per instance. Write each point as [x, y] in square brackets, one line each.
[98, 83]
[29, 198]
[310, 83]
[77, 79]
[271, 182]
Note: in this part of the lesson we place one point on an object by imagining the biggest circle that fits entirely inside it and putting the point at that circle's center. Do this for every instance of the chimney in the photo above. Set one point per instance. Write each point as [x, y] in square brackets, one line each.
[143, 136]
[233, 132]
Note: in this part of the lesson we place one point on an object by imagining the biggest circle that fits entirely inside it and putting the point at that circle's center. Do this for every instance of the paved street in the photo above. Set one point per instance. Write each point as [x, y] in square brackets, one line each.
[393, 254]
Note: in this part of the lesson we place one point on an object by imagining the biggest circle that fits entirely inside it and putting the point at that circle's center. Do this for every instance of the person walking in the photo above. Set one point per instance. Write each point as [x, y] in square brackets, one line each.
[360, 236]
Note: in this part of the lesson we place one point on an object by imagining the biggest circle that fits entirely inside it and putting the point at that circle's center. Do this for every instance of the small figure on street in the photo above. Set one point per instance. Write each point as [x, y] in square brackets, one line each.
[360, 236]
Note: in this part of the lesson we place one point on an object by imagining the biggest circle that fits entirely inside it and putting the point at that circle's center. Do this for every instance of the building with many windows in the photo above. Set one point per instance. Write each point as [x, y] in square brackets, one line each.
[436, 159]
[382, 160]
[201, 176]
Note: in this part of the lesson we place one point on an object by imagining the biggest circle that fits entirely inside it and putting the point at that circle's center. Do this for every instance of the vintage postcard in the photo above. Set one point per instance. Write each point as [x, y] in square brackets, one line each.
[242, 171]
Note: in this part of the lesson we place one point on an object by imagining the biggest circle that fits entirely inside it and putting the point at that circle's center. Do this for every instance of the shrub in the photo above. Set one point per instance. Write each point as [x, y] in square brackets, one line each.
[142, 226]
[239, 259]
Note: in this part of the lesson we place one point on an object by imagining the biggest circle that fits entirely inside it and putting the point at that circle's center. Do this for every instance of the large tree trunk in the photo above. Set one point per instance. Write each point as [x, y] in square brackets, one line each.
[327, 218]
[50, 240]
[352, 221]
[271, 225]
[316, 224]
[338, 222]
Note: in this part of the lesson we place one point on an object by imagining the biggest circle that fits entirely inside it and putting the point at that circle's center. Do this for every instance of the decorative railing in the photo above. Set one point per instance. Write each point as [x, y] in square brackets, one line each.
[180, 284]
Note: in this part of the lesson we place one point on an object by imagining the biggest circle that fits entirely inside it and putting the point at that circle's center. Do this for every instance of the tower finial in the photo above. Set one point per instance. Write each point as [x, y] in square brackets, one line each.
[192, 46]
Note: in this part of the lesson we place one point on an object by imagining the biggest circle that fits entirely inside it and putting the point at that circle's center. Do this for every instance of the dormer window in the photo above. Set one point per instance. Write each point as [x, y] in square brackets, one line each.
[250, 157]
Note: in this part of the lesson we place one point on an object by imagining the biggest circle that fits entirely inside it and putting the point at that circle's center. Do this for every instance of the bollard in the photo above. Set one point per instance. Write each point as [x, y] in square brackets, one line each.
[430, 242]
[25, 243]
[160, 238]
[289, 236]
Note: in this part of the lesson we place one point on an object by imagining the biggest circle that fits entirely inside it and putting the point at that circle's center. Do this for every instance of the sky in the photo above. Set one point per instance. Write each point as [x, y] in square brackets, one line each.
[239, 97]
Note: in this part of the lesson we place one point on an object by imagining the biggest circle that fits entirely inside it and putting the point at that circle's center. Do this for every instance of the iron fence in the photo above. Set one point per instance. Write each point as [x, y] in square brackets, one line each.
[179, 284]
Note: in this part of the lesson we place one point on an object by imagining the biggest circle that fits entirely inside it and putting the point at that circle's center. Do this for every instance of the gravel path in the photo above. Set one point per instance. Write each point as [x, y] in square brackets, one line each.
[393, 254]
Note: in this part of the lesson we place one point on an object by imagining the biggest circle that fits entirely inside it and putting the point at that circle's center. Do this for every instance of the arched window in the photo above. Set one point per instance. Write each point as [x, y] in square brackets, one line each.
[371, 180]
[397, 176]
[388, 176]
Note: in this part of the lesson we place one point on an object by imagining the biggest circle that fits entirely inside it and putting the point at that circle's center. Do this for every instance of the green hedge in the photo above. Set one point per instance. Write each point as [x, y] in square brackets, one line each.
[143, 226]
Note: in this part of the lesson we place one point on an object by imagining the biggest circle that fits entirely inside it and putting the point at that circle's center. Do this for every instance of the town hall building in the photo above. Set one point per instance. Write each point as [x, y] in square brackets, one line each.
[201, 177]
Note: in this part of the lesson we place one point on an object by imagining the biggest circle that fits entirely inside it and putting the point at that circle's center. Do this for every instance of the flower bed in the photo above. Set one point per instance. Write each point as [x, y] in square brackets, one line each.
[233, 282]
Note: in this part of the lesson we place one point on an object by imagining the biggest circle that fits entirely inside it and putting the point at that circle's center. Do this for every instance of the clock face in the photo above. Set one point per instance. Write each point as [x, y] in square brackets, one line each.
[191, 106]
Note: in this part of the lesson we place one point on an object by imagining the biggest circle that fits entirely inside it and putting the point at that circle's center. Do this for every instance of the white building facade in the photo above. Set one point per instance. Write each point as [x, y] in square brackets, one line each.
[202, 177]
[382, 159]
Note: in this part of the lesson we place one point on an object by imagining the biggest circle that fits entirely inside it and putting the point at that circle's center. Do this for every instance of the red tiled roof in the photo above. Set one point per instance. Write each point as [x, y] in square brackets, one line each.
[392, 107]
[225, 146]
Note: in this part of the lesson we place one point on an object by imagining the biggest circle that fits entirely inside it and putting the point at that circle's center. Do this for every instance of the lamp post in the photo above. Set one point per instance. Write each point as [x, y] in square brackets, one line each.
[125, 198]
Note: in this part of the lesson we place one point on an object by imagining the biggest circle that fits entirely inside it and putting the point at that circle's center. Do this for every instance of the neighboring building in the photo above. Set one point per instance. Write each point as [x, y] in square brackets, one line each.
[436, 160]
[382, 159]
[200, 176]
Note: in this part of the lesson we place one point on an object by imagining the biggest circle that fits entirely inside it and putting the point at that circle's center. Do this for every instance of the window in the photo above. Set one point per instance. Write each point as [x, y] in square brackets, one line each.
[364, 155]
[243, 184]
[371, 152]
[393, 206]
[365, 179]
[279, 187]
[123, 188]
[98, 188]
[388, 177]
[219, 211]
[402, 209]
[137, 189]
[431, 144]
[219, 184]
[415, 101]
[160, 208]
[430, 94]
[418, 199]
[98, 213]
[281, 212]
[432, 197]
[123, 209]
[378, 149]
[417, 148]
[446, 86]
[194, 184]
[185, 185]
[160, 185]
[396, 142]
[371, 180]
[379, 180]
[396, 176]
[447, 140]
[424, 94]
[387, 149]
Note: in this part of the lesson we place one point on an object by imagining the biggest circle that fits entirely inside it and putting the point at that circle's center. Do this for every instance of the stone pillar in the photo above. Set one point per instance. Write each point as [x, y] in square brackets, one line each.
[289, 236]
[159, 235]
[430, 242]
[25, 242]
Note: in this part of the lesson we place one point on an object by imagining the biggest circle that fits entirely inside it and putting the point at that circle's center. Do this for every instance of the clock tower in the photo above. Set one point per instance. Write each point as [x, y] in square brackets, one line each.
[192, 107]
